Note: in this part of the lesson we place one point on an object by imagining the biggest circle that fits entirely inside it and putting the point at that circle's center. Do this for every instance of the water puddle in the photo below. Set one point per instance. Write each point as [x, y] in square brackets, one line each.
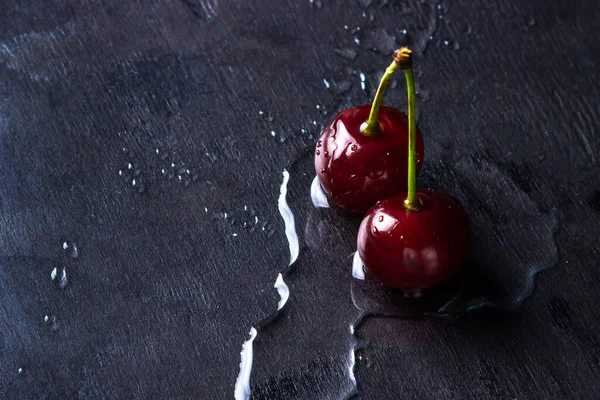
[513, 240]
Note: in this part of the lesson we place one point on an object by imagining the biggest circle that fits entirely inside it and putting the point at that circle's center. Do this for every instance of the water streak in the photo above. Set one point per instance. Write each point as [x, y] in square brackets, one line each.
[288, 219]
[242, 383]
[283, 290]
[318, 197]
[358, 267]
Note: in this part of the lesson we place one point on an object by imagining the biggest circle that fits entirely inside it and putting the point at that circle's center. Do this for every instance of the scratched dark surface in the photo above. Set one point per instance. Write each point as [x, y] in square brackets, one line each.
[132, 131]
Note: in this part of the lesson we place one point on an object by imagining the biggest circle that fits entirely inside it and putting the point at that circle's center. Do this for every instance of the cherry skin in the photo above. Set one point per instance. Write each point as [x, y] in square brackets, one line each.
[413, 250]
[355, 171]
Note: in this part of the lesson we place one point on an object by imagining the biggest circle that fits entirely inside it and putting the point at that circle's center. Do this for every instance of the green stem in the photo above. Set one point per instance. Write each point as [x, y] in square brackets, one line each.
[404, 58]
[371, 126]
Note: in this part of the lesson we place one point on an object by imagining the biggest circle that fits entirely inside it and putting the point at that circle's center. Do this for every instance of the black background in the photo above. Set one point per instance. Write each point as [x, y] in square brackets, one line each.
[171, 273]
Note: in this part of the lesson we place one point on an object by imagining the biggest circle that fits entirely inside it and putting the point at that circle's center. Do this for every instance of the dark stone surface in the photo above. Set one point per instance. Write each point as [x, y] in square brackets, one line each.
[170, 274]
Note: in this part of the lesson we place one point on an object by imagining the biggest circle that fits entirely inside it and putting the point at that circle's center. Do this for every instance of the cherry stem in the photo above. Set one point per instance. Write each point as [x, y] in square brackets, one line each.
[403, 57]
[371, 126]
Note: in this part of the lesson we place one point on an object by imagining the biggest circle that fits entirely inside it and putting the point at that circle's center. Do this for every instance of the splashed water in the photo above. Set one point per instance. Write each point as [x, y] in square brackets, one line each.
[318, 197]
[288, 218]
[242, 384]
[283, 290]
[358, 267]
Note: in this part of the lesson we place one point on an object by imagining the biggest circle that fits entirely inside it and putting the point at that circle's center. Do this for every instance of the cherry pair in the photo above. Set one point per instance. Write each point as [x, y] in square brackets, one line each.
[365, 159]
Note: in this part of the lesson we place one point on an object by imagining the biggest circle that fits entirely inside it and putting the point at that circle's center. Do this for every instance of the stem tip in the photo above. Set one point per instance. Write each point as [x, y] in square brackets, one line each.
[403, 58]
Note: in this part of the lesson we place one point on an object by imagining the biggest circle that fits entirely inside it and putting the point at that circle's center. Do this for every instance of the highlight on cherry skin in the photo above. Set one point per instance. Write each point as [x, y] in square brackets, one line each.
[414, 250]
[362, 154]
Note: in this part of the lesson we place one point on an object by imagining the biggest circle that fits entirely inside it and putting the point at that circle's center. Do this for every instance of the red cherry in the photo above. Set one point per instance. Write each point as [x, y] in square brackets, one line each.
[414, 250]
[356, 170]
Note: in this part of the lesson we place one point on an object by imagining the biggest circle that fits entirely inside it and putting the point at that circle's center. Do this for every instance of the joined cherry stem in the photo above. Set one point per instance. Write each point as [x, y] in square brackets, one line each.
[412, 201]
[371, 127]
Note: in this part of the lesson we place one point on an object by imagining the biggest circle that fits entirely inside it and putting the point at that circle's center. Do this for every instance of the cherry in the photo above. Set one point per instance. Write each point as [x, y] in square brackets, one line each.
[414, 249]
[361, 156]
[416, 239]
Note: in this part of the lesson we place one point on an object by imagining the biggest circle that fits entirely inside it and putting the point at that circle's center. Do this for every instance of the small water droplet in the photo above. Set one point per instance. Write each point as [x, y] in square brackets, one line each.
[316, 4]
[70, 249]
[456, 46]
[133, 182]
[157, 151]
[326, 83]
[120, 173]
[273, 133]
[381, 218]
[530, 21]
[179, 177]
[54, 273]
[129, 166]
[318, 152]
[326, 154]
[51, 322]
[393, 84]
[62, 283]
[20, 371]
[354, 147]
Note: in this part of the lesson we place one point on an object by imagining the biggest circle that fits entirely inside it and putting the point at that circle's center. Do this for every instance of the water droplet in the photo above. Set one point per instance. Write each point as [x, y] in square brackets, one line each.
[347, 52]
[326, 83]
[62, 283]
[404, 32]
[316, 4]
[393, 84]
[54, 273]
[51, 322]
[234, 235]
[354, 147]
[456, 46]
[129, 166]
[318, 152]
[157, 151]
[20, 371]
[273, 133]
[120, 173]
[70, 249]
[326, 154]
[530, 21]
[381, 218]
[133, 182]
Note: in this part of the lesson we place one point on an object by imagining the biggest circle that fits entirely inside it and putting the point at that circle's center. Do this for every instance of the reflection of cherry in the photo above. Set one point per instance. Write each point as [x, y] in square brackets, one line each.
[416, 239]
[361, 156]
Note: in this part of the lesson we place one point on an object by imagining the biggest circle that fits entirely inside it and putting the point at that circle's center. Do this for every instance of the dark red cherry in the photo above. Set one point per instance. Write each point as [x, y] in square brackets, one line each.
[355, 170]
[413, 250]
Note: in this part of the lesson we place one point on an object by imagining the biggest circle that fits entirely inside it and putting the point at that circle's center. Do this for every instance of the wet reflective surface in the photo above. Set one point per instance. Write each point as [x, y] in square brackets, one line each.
[143, 233]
